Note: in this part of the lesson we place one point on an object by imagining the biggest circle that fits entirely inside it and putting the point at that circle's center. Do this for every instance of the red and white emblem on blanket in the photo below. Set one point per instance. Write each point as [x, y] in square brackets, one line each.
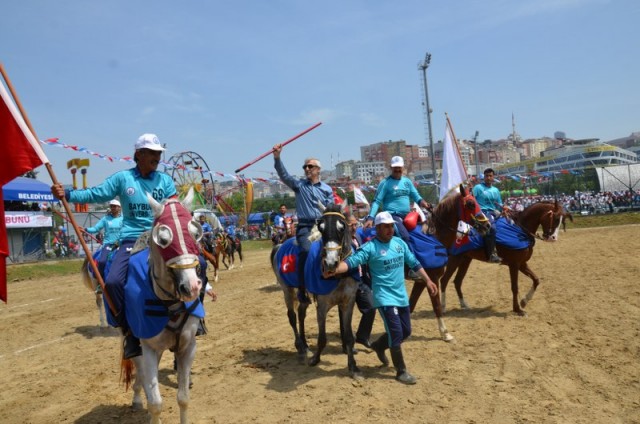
[288, 264]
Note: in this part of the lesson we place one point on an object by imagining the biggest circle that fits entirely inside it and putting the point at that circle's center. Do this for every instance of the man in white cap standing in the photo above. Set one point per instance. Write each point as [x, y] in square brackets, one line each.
[131, 186]
[394, 195]
[386, 256]
[111, 224]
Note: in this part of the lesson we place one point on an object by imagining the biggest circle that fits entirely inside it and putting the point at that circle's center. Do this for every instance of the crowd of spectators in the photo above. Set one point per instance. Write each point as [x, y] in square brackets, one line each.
[585, 202]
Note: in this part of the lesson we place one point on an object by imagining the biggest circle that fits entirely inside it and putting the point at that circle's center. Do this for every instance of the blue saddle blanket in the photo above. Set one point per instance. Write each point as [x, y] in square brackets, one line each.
[287, 260]
[508, 235]
[146, 315]
[427, 249]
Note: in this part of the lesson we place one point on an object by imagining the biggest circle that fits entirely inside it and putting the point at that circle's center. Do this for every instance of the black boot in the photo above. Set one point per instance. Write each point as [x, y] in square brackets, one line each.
[401, 370]
[379, 346]
[490, 249]
[131, 346]
[202, 328]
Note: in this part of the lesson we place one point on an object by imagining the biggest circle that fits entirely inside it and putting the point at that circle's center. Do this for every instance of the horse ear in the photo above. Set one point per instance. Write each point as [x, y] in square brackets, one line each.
[463, 191]
[188, 200]
[156, 207]
[321, 206]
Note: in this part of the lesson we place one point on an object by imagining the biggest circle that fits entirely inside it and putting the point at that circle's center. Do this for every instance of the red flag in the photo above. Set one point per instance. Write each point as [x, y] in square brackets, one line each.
[21, 152]
[337, 199]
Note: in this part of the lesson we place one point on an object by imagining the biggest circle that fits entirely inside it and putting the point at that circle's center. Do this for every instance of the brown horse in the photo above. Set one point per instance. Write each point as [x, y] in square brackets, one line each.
[289, 231]
[549, 215]
[443, 224]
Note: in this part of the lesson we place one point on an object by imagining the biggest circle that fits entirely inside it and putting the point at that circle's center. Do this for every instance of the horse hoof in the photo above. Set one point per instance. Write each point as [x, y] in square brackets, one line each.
[136, 406]
[447, 337]
[521, 314]
[357, 376]
[313, 361]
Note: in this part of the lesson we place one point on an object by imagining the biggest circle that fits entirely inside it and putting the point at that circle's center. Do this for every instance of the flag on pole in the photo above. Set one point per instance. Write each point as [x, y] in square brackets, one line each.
[21, 152]
[453, 169]
[359, 196]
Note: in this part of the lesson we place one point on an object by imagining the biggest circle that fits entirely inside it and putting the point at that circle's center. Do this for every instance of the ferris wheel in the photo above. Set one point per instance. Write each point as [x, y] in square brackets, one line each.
[189, 169]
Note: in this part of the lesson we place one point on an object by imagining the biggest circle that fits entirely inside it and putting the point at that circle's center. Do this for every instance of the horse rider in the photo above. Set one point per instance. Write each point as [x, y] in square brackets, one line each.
[131, 186]
[386, 257]
[278, 223]
[489, 199]
[309, 191]
[394, 195]
[207, 233]
[111, 224]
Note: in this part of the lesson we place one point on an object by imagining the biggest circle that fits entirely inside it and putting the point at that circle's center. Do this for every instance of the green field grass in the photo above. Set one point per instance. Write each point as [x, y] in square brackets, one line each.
[33, 271]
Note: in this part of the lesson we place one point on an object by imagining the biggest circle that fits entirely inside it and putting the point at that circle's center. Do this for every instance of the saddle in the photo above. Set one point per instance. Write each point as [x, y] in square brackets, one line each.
[508, 234]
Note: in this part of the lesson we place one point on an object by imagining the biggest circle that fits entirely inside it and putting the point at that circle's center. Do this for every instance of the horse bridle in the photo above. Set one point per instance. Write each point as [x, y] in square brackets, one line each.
[342, 248]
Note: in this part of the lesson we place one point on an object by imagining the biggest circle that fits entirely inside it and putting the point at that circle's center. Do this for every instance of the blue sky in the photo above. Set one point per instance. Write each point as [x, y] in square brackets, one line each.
[228, 80]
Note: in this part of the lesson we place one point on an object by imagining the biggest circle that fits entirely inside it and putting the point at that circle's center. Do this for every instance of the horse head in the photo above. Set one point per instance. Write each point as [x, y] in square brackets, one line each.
[173, 250]
[289, 227]
[336, 241]
[551, 221]
[548, 215]
[471, 213]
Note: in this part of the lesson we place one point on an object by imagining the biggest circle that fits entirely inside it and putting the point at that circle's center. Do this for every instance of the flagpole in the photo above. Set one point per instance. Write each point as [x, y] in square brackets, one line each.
[67, 208]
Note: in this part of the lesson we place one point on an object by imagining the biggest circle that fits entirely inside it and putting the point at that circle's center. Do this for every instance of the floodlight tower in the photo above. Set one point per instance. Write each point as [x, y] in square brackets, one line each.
[423, 67]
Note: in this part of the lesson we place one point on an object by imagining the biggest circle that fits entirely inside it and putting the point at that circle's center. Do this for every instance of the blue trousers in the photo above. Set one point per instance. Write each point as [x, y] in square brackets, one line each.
[397, 323]
[117, 278]
[302, 238]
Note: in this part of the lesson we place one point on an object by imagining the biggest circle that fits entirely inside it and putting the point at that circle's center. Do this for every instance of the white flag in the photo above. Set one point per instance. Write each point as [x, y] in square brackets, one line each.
[359, 196]
[453, 170]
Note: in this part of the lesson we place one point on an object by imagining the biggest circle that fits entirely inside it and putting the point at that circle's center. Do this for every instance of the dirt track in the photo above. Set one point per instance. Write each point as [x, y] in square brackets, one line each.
[574, 359]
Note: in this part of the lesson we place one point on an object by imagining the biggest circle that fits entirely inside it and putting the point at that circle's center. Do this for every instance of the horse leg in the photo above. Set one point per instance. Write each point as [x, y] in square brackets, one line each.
[346, 317]
[185, 361]
[300, 343]
[148, 363]
[136, 403]
[434, 275]
[321, 313]
[513, 273]
[416, 291]
[450, 269]
[101, 314]
[524, 268]
[463, 267]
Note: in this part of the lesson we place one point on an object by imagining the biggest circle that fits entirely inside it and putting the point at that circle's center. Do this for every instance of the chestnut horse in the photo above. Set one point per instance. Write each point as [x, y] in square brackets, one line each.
[335, 246]
[289, 231]
[549, 215]
[443, 224]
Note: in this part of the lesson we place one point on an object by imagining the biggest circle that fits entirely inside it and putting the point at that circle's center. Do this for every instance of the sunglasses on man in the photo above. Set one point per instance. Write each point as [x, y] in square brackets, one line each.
[305, 167]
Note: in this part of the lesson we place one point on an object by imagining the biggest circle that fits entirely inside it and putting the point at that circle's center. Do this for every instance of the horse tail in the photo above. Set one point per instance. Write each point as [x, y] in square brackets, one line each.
[86, 278]
[127, 368]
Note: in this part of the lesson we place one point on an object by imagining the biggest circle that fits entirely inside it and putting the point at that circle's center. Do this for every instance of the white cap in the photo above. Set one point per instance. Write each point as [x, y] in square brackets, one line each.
[397, 161]
[114, 202]
[149, 141]
[384, 218]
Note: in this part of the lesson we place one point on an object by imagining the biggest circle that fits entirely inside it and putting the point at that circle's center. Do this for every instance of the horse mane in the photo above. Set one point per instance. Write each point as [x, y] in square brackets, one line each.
[447, 207]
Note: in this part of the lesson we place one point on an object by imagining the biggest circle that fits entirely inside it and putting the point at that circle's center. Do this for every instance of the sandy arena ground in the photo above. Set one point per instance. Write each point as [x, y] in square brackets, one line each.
[574, 359]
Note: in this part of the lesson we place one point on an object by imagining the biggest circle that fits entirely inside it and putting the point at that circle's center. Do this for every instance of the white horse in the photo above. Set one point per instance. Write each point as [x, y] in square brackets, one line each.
[172, 266]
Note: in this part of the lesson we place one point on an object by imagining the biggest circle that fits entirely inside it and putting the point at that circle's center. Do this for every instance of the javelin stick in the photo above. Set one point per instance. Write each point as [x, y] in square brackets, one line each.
[54, 179]
[282, 144]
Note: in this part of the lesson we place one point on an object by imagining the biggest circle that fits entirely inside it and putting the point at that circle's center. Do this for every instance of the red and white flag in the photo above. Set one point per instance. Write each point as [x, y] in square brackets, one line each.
[21, 153]
[454, 172]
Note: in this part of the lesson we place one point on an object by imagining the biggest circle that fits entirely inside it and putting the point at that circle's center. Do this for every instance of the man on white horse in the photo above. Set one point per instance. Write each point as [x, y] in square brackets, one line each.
[111, 223]
[131, 186]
